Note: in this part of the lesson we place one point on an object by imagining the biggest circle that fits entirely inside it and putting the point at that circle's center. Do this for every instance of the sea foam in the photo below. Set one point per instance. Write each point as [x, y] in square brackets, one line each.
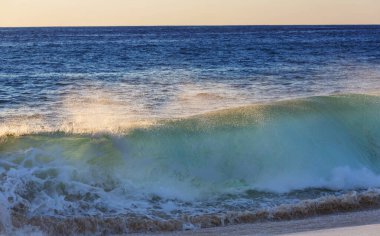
[248, 159]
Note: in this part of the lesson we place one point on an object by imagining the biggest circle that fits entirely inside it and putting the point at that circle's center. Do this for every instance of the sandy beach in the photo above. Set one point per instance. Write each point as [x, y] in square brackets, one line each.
[355, 223]
[357, 230]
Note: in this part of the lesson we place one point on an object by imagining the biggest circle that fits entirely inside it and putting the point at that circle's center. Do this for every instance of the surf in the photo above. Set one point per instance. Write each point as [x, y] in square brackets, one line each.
[251, 157]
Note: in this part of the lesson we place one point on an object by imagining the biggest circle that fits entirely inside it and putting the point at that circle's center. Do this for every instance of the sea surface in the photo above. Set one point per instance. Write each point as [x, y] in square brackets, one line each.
[133, 129]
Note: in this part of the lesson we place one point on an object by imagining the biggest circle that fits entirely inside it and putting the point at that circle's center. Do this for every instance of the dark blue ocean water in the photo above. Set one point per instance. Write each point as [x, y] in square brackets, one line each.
[98, 122]
[151, 68]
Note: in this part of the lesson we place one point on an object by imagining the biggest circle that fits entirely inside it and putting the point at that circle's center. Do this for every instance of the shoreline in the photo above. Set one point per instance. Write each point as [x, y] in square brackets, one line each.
[364, 206]
[362, 222]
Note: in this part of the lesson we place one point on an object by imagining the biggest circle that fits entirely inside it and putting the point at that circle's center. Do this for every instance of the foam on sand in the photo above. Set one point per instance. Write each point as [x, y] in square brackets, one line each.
[277, 161]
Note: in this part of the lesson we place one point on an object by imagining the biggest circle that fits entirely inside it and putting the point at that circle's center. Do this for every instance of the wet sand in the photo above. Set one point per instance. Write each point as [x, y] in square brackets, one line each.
[366, 230]
[355, 223]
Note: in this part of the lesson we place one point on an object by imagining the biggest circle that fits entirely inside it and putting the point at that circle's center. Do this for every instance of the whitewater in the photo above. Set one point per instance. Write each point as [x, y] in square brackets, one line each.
[115, 130]
[255, 159]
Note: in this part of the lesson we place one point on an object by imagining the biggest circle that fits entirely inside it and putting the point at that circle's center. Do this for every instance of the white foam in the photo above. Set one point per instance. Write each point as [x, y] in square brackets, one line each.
[191, 164]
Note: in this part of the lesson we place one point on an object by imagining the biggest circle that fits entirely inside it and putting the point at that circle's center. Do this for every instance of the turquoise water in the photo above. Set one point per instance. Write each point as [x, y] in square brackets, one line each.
[165, 124]
[250, 158]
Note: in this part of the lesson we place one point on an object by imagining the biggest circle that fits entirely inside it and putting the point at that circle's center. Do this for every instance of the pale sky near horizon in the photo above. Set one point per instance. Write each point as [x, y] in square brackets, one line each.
[186, 12]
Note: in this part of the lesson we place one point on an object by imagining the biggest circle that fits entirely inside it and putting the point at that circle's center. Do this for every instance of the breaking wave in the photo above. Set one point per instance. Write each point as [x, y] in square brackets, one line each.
[249, 161]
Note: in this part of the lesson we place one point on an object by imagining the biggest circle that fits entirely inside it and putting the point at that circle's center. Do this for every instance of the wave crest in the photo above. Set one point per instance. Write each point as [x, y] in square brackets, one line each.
[251, 157]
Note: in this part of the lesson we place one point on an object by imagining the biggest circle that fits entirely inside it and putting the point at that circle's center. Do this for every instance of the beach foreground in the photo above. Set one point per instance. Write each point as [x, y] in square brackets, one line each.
[357, 230]
[354, 223]
[116, 130]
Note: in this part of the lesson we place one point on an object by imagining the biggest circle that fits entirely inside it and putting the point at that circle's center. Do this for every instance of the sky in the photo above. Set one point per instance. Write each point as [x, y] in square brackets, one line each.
[186, 12]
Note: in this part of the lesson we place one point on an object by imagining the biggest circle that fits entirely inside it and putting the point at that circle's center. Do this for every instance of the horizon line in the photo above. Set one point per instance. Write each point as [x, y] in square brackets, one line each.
[221, 25]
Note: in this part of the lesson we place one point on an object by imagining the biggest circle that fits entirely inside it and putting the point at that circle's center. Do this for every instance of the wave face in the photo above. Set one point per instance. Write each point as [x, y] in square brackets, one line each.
[243, 159]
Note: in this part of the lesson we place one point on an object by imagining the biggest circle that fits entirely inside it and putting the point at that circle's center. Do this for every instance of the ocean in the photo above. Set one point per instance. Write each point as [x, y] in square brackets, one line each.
[113, 130]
